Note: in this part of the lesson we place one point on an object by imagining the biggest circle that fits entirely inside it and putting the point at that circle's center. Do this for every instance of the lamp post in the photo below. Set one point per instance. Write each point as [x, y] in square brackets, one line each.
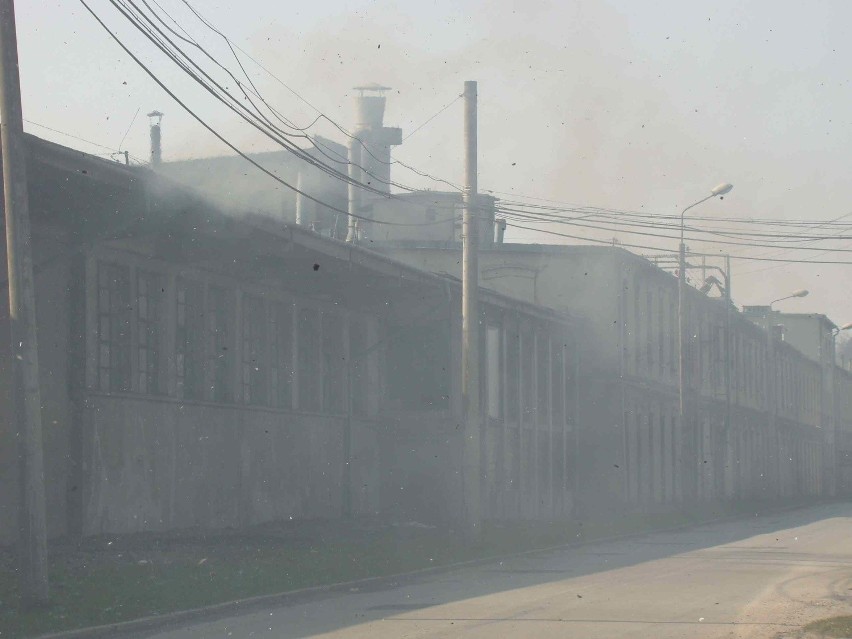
[772, 383]
[800, 293]
[718, 191]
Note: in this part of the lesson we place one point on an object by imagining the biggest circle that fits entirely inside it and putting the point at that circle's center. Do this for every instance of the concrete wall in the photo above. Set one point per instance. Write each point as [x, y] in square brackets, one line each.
[578, 283]
[52, 280]
[804, 333]
[158, 465]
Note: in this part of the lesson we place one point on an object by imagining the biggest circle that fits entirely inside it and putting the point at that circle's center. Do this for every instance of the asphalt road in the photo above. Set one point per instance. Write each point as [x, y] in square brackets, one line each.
[763, 576]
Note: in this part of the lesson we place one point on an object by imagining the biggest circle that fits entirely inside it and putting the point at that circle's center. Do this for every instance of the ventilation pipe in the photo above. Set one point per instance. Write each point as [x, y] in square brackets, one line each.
[154, 118]
[499, 230]
[354, 190]
[377, 138]
[302, 203]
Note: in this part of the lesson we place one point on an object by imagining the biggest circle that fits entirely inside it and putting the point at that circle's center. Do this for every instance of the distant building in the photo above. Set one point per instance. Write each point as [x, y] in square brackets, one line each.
[633, 445]
[431, 216]
[813, 334]
[234, 185]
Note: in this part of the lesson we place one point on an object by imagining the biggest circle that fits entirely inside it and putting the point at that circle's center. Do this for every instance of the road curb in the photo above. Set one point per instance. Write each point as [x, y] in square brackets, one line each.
[225, 609]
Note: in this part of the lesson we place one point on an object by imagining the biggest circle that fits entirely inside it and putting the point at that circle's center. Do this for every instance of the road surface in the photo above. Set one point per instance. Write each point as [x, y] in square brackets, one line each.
[763, 576]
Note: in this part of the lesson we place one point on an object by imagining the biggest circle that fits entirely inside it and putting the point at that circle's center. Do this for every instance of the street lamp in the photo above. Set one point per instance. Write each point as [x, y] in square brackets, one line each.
[845, 327]
[800, 293]
[718, 191]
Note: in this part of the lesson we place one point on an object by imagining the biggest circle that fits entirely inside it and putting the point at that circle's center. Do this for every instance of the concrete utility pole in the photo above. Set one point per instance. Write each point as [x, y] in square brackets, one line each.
[27, 400]
[728, 490]
[470, 324]
[718, 191]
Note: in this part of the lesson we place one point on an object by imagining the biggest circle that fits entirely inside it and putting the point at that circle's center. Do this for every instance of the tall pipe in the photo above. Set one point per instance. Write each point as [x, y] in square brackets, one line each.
[302, 214]
[354, 190]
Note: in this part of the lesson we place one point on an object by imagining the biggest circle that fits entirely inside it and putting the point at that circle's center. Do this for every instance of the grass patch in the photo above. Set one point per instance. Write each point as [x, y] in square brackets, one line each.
[831, 627]
[114, 579]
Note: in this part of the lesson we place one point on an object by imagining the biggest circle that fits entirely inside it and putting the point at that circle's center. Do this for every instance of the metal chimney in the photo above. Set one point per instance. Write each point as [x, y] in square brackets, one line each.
[154, 119]
[376, 138]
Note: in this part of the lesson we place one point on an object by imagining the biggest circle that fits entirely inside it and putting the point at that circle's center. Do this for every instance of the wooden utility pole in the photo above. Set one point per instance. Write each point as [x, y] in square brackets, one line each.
[470, 325]
[22, 321]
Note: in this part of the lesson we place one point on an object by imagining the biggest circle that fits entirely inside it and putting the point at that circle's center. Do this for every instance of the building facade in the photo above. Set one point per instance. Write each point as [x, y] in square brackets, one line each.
[201, 369]
[757, 420]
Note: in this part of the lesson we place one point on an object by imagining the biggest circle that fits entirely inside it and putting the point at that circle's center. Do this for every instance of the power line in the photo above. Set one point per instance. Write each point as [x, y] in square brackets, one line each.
[124, 137]
[440, 111]
[77, 137]
[618, 228]
[656, 248]
[162, 41]
[134, 14]
[157, 37]
[782, 237]
[321, 114]
[222, 139]
[676, 217]
[779, 253]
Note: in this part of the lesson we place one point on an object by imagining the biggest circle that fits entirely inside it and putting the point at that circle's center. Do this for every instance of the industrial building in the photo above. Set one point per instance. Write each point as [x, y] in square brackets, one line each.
[736, 442]
[202, 369]
[213, 354]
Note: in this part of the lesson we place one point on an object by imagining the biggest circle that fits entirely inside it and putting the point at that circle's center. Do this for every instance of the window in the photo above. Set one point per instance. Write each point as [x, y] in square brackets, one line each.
[219, 353]
[543, 463]
[627, 326]
[513, 353]
[150, 292]
[254, 350]
[558, 461]
[649, 332]
[661, 337]
[557, 385]
[114, 313]
[334, 363]
[637, 324]
[281, 371]
[542, 360]
[309, 359]
[418, 364]
[189, 336]
[570, 385]
[570, 448]
[515, 457]
[493, 372]
[674, 355]
[360, 358]
[527, 376]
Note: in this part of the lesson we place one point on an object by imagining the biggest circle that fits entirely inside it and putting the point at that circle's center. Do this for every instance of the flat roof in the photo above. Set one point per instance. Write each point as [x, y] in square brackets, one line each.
[123, 183]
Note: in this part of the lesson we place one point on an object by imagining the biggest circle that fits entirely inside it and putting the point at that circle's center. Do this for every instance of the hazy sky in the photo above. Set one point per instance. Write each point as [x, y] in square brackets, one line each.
[620, 104]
